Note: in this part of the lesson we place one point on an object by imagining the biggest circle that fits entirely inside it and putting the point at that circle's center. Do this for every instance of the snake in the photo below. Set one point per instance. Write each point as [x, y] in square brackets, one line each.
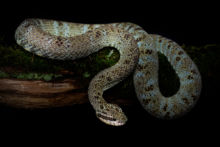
[138, 51]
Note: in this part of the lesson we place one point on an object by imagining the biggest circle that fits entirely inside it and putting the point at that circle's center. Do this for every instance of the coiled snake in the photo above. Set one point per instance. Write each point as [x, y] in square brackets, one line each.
[138, 51]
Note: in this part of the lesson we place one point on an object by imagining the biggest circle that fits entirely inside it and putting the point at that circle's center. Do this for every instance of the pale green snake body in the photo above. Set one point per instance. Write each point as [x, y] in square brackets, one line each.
[138, 52]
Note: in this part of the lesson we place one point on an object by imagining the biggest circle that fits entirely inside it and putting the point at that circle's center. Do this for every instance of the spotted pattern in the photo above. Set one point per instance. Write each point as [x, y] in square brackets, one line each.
[147, 88]
[138, 52]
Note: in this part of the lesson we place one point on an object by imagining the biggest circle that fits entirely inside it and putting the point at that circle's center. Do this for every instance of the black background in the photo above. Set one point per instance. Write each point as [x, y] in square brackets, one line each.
[184, 22]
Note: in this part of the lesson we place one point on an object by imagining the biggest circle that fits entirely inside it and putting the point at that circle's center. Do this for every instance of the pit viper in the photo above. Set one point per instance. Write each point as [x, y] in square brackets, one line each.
[138, 54]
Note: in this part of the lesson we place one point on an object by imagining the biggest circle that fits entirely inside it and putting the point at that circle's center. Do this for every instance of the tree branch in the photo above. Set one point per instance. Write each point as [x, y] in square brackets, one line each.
[40, 94]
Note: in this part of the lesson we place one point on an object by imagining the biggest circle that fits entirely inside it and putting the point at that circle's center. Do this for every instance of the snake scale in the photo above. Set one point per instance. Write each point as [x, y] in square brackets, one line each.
[138, 53]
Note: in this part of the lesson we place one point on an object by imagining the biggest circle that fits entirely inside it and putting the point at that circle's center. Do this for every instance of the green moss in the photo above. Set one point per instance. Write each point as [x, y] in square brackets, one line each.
[30, 76]
[3, 75]
[16, 57]
[47, 77]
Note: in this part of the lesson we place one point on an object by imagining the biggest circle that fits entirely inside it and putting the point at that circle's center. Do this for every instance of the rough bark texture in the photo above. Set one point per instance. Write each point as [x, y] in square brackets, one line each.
[40, 94]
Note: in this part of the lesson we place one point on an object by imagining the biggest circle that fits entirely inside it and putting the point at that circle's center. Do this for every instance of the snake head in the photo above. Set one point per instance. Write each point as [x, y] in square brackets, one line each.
[111, 114]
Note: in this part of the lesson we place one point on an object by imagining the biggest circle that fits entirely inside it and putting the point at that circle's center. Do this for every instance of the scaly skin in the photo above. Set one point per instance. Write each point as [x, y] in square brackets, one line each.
[138, 50]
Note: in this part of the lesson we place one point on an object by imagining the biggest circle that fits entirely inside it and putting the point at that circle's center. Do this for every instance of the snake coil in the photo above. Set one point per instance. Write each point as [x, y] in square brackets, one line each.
[138, 52]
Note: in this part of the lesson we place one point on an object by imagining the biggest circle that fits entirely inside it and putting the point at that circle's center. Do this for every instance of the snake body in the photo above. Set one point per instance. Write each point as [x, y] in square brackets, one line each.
[138, 52]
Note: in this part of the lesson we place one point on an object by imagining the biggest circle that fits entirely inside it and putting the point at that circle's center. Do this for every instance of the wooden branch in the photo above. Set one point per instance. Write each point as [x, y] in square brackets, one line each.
[38, 87]
[40, 94]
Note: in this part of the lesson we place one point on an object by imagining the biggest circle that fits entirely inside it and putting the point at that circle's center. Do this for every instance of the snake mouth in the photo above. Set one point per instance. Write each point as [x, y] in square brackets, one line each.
[110, 120]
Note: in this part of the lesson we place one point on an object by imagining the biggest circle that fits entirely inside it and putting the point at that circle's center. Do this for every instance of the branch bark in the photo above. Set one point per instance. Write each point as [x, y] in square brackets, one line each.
[40, 94]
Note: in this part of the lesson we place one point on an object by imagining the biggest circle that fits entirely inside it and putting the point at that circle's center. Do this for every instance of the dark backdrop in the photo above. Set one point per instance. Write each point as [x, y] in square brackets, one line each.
[188, 23]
